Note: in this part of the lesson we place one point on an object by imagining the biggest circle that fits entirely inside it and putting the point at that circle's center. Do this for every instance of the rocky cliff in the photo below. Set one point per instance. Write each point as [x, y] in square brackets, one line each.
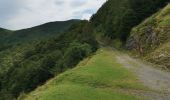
[151, 39]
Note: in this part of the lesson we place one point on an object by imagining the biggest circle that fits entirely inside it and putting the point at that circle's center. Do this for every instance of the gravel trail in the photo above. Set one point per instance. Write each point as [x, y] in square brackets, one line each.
[156, 79]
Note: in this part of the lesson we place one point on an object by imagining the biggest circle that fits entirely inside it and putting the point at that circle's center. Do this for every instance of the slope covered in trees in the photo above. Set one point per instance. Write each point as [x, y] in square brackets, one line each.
[10, 38]
[4, 34]
[26, 66]
[43, 31]
[116, 17]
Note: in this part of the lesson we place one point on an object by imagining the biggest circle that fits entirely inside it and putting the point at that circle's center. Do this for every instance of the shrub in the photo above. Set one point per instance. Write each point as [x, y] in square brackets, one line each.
[75, 53]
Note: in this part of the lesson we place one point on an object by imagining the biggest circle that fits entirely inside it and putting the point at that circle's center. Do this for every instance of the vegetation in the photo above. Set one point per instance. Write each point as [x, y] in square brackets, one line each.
[42, 60]
[30, 57]
[116, 18]
[99, 77]
[151, 39]
[10, 38]
[4, 34]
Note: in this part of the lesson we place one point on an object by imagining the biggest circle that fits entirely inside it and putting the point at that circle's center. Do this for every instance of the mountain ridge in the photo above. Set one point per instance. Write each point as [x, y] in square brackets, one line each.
[47, 30]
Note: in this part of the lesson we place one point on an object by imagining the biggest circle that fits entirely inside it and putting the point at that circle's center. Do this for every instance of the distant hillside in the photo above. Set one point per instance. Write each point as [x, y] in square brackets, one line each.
[151, 39]
[43, 31]
[116, 18]
[3, 30]
[4, 34]
[35, 33]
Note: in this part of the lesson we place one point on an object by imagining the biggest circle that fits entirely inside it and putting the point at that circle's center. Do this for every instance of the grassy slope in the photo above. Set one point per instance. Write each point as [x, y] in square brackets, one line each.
[153, 38]
[96, 78]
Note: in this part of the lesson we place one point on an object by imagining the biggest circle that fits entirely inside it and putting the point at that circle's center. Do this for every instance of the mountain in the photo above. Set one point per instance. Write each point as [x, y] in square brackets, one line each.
[116, 17]
[151, 39]
[36, 33]
[43, 31]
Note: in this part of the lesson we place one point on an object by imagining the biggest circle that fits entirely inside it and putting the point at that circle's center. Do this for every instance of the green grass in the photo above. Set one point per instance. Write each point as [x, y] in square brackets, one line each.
[97, 78]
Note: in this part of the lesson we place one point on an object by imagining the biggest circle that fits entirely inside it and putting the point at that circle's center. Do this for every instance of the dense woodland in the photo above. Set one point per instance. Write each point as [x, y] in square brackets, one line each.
[24, 65]
[11, 38]
[32, 65]
[116, 18]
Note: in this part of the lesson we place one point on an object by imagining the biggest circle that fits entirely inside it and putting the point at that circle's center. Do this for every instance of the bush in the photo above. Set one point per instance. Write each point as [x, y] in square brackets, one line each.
[75, 53]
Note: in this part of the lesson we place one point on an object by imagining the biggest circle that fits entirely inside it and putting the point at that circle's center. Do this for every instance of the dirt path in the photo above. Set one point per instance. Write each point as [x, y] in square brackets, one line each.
[155, 79]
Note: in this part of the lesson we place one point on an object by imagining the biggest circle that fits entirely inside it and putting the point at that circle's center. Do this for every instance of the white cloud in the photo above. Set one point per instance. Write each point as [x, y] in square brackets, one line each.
[28, 13]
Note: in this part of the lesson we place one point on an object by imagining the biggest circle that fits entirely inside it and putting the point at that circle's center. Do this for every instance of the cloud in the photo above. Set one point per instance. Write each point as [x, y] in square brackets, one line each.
[77, 3]
[18, 14]
[59, 2]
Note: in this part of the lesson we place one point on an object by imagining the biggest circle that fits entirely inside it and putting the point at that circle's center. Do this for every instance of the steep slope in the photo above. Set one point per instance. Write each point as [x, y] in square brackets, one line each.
[26, 66]
[99, 77]
[116, 18]
[151, 39]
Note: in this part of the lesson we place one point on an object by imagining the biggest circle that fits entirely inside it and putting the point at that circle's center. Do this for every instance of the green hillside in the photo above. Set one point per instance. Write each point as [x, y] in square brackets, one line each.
[42, 31]
[2, 31]
[26, 66]
[30, 57]
[99, 77]
[4, 34]
[10, 38]
[151, 39]
[116, 18]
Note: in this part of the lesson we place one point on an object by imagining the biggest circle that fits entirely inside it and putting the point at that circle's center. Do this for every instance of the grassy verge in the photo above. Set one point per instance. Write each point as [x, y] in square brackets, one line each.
[96, 78]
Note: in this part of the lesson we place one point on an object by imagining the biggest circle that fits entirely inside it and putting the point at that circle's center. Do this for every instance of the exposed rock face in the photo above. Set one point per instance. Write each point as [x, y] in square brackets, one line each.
[151, 39]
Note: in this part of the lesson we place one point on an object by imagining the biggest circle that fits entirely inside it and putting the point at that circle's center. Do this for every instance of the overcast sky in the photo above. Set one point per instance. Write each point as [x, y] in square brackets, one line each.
[19, 14]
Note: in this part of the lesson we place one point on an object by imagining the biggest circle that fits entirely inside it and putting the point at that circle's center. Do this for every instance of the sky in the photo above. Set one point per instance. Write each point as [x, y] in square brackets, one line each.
[19, 14]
